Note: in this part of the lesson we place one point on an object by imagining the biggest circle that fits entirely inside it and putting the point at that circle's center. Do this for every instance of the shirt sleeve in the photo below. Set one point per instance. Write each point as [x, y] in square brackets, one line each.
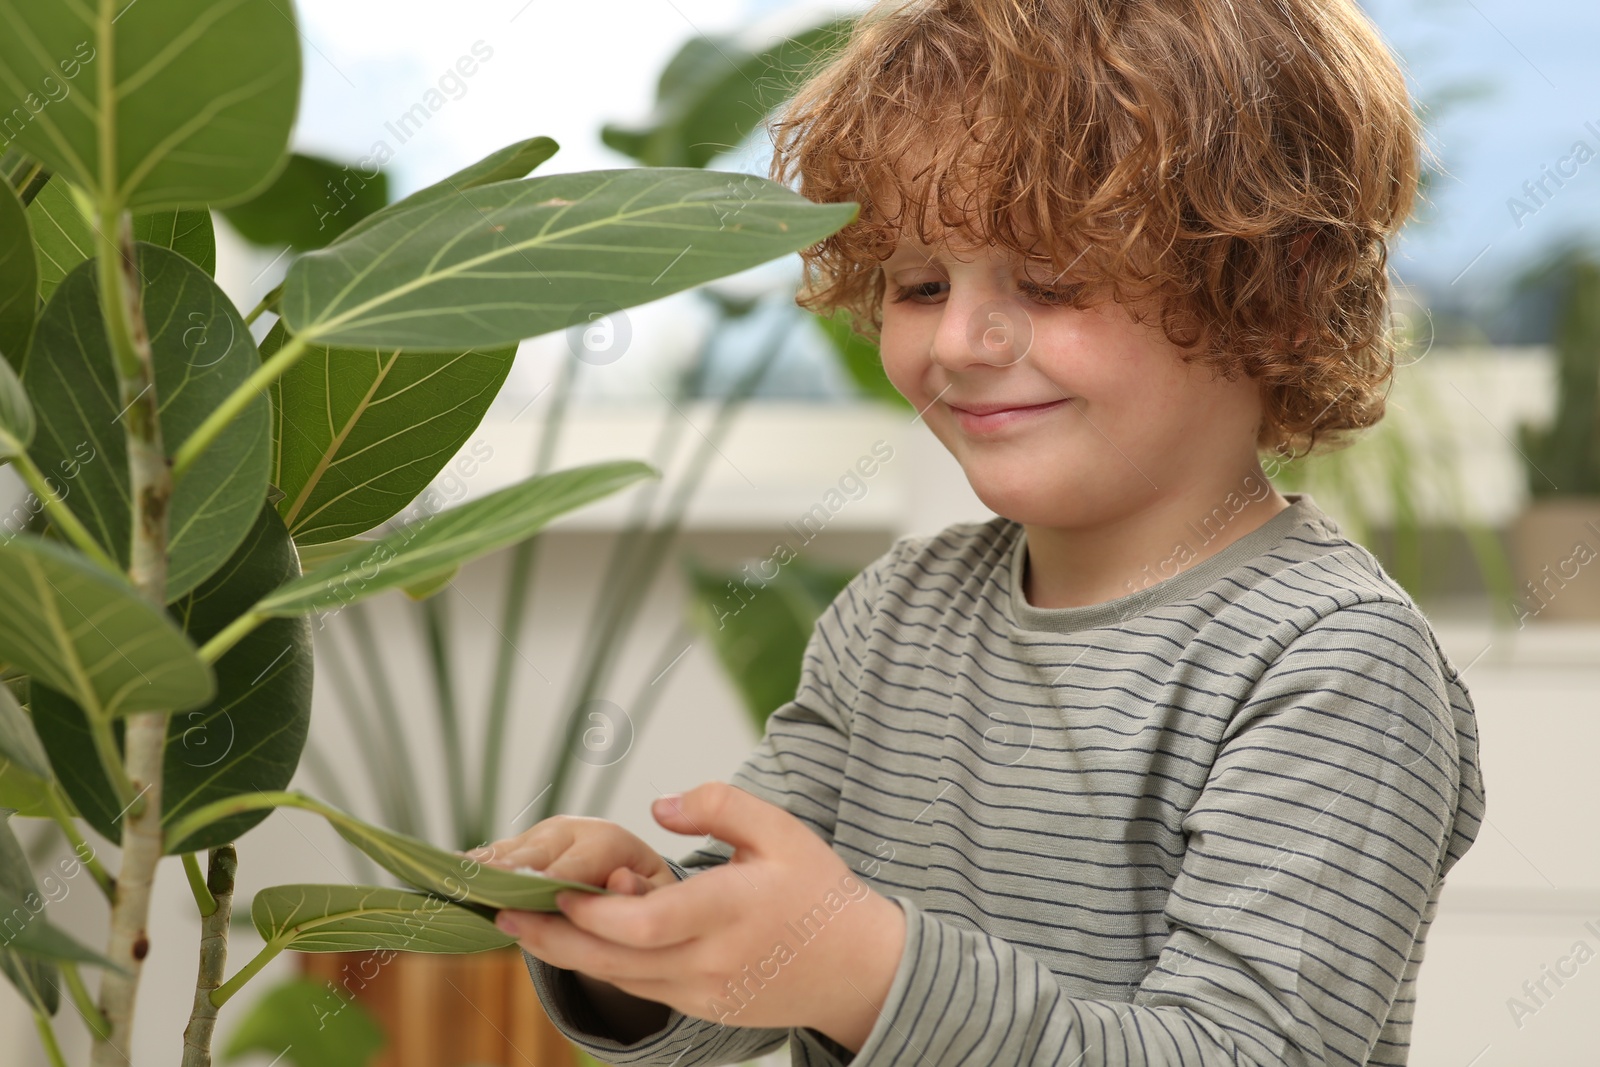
[1314, 854]
[798, 765]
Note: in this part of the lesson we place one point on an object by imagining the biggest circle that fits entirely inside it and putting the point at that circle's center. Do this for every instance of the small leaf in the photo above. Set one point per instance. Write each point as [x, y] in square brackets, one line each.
[17, 424]
[310, 203]
[494, 264]
[35, 979]
[356, 918]
[86, 632]
[309, 1024]
[37, 937]
[506, 164]
[427, 586]
[449, 874]
[18, 742]
[19, 280]
[195, 107]
[434, 542]
[202, 351]
[358, 433]
[23, 791]
[65, 240]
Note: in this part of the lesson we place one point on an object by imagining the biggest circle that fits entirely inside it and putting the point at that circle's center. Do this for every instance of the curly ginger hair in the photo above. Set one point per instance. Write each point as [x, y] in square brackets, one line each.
[1241, 162]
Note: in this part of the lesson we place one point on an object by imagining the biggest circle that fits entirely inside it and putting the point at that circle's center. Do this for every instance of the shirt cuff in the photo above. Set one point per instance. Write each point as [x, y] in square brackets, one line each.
[895, 1033]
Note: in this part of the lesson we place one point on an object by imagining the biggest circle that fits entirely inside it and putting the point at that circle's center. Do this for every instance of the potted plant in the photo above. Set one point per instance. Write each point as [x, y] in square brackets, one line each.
[168, 587]
[1556, 538]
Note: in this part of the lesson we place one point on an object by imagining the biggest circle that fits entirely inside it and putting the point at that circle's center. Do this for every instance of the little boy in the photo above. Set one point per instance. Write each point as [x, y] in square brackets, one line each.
[1156, 767]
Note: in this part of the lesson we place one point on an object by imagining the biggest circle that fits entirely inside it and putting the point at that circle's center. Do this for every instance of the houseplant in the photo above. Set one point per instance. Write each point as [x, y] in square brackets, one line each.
[1556, 538]
[167, 588]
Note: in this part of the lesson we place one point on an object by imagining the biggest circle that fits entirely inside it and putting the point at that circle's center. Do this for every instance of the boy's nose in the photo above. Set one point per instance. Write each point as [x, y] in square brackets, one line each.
[981, 330]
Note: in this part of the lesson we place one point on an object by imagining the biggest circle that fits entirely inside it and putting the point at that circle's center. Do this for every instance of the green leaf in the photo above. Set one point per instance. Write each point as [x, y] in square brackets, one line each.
[202, 351]
[759, 633]
[196, 109]
[250, 737]
[506, 164]
[35, 979]
[17, 424]
[309, 1024]
[247, 738]
[310, 203]
[860, 359]
[425, 587]
[18, 743]
[39, 938]
[360, 432]
[498, 263]
[451, 874]
[449, 538]
[19, 278]
[79, 629]
[713, 93]
[358, 918]
[23, 791]
[65, 240]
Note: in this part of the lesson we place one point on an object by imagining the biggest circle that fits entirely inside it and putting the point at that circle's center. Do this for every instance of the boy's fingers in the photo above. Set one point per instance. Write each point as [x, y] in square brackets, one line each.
[726, 813]
[666, 916]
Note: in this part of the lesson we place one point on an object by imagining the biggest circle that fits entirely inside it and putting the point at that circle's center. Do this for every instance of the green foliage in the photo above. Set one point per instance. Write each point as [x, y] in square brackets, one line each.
[1563, 457]
[759, 629]
[861, 359]
[65, 240]
[35, 978]
[19, 279]
[310, 202]
[202, 352]
[355, 918]
[309, 1026]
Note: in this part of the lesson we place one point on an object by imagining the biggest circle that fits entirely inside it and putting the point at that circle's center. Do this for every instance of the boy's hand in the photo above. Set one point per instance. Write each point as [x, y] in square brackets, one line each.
[577, 849]
[784, 934]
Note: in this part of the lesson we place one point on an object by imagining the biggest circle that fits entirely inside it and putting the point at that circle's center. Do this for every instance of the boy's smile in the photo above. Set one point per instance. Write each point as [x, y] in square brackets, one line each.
[1082, 424]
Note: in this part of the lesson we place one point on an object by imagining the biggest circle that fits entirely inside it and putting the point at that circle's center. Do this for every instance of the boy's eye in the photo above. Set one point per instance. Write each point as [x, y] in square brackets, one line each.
[907, 292]
[1044, 294]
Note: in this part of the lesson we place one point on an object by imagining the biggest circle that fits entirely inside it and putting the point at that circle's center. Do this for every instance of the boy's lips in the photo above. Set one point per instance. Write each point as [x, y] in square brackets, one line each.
[983, 418]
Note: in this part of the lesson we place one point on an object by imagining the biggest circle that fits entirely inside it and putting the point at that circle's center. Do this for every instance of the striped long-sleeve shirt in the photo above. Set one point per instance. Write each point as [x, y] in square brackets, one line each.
[1204, 823]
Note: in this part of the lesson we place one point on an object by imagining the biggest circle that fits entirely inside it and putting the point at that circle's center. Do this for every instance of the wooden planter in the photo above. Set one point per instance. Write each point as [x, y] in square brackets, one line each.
[1555, 555]
[449, 1011]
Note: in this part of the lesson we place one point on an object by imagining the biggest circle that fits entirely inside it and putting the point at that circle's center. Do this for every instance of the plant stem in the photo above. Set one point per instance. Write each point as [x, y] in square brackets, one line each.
[150, 488]
[98, 1026]
[270, 300]
[223, 865]
[57, 509]
[47, 1038]
[197, 885]
[206, 814]
[229, 636]
[401, 765]
[223, 993]
[385, 786]
[236, 401]
[84, 851]
[105, 746]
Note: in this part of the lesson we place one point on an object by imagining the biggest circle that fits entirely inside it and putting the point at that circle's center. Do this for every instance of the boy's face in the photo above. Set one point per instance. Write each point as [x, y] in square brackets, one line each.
[1104, 418]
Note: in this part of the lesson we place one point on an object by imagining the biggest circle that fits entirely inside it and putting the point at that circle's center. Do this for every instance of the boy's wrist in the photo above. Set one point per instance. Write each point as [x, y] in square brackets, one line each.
[877, 946]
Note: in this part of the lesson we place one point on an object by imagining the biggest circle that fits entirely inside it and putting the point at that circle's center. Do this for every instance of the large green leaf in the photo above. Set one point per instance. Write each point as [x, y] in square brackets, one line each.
[358, 918]
[305, 1023]
[759, 634]
[19, 278]
[65, 240]
[494, 264]
[360, 432]
[247, 739]
[196, 107]
[310, 202]
[202, 351]
[17, 424]
[435, 542]
[451, 874]
[34, 978]
[250, 737]
[79, 629]
[714, 92]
